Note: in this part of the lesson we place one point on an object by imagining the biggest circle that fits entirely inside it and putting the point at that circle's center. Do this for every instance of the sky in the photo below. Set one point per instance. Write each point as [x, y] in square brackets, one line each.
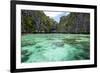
[56, 15]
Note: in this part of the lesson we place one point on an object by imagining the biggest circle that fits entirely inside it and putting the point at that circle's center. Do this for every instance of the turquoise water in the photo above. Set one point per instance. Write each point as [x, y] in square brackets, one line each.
[54, 47]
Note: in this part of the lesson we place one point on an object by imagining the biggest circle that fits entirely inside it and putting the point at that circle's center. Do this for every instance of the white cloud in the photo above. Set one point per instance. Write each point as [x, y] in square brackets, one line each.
[52, 14]
[56, 15]
[67, 13]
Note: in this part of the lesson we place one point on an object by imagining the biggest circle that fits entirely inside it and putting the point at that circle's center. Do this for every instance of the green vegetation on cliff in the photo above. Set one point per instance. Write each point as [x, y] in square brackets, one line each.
[37, 21]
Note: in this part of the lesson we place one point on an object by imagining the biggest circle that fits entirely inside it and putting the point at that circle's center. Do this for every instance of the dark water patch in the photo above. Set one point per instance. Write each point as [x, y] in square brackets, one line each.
[27, 43]
[38, 47]
[24, 59]
[58, 44]
[84, 49]
[70, 41]
[81, 36]
[23, 52]
[25, 55]
[49, 39]
[38, 50]
[85, 56]
[85, 46]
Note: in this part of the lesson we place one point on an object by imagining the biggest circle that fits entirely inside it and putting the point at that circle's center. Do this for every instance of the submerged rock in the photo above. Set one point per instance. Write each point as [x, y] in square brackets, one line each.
[27, 43]
[24, 58]
[59, 44]
[25, 55]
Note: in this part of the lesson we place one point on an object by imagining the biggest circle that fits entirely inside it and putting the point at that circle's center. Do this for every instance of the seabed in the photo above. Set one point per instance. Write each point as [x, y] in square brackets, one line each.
[54, 47]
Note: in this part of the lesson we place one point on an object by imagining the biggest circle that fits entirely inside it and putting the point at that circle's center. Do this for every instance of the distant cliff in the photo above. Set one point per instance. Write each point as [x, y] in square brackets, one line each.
[75, 23]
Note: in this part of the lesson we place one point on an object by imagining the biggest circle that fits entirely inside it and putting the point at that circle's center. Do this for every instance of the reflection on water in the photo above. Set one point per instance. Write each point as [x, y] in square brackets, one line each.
[54, 47]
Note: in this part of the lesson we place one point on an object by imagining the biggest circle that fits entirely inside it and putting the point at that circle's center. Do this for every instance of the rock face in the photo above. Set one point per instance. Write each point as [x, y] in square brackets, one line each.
[37, 21]
[75, 23]
[31, 20]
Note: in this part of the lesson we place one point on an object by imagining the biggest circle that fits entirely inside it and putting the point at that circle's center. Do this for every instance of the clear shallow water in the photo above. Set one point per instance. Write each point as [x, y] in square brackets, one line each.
[54, 47]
